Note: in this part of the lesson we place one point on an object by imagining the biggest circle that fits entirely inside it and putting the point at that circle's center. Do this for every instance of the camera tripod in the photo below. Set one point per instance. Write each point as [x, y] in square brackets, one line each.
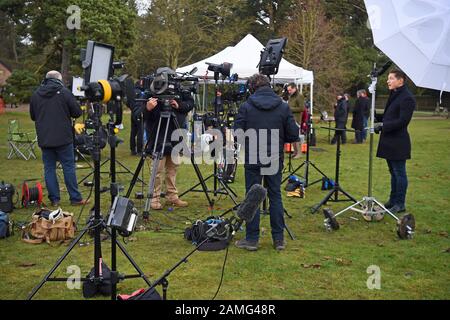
[98, 224]
[224, 188]
[333, 195]
[307, 163]
[169, 117]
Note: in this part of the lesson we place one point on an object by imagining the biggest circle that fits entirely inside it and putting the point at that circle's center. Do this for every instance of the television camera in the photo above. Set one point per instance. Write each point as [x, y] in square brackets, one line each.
[167, 85]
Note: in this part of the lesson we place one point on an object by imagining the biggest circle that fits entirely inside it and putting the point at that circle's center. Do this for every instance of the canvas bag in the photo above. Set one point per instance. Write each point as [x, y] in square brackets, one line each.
[41, 229]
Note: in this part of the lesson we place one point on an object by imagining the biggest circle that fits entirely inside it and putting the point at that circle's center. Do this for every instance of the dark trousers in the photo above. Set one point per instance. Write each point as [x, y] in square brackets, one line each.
[399, 182]
[66, 157]
[359, 136]
[365, 123]
[136, 137]
[341, 134]
[273, 185]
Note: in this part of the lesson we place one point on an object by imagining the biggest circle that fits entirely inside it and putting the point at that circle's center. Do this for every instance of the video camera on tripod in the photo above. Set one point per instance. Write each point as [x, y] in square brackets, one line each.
[167, 85]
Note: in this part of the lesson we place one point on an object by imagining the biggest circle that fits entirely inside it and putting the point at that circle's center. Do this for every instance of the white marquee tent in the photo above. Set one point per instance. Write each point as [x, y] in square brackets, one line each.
[245, 57]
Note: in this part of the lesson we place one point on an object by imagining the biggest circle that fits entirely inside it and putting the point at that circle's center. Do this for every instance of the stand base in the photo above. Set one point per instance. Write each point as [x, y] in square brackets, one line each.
[115, 277]
[372, 210]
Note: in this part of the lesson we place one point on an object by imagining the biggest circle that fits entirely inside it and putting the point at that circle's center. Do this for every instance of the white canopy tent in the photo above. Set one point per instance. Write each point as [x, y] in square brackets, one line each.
[245, 57]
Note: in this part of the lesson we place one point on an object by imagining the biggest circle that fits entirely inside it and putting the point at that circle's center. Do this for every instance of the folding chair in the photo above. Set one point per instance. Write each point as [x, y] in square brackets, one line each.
[21, 144]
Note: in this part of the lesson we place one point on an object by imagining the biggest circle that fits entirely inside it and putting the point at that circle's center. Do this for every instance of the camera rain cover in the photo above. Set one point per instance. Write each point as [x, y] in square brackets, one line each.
[161, 81]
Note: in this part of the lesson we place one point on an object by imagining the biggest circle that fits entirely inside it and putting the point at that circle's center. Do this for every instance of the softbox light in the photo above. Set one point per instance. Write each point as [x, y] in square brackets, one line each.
[98, 62]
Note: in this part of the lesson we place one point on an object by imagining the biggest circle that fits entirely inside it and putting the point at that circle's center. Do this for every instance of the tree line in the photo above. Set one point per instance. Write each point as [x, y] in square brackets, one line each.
[330, 37]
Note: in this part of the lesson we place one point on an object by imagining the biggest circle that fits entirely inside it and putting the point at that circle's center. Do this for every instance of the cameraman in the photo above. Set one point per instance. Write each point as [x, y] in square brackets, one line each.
[265, 112]
[179, 109]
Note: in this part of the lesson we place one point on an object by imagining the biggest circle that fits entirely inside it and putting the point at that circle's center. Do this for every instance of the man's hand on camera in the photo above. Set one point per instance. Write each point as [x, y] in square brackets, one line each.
[174, 104]
[378, 127]
[152, 103]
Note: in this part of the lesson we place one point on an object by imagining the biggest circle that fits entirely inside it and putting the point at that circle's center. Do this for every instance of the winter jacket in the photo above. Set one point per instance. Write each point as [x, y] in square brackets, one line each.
[51, 108]
[265, 110]
[395, 143]
[359, 112]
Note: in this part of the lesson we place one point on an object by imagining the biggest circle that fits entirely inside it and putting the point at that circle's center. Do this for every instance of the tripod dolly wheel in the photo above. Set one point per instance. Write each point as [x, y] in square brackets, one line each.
[330, 221]
[406, 226]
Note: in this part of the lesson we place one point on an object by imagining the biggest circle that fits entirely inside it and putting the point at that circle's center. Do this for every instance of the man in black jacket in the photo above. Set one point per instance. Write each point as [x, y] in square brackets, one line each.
[265, 116]
[152, 113]
[340, 118]
[136, 134]
[51, 108]
[395, 144]
[359, 112]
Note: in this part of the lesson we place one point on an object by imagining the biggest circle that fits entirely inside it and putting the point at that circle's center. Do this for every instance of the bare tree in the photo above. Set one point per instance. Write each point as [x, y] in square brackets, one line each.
[315, 43]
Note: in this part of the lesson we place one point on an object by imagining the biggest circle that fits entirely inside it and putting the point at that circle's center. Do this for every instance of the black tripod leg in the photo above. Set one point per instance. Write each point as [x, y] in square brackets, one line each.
[228, 191]
[347, 195]
[202, 182]
[136, 175]
[58, 263]
[293, 172]
[198, 184]
[287, 214]
[318, 170]
[291, 235]
[324, 201]
[128, 171]
[135, 265]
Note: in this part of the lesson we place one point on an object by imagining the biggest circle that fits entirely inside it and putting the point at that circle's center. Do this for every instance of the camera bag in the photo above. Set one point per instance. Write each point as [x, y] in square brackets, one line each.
[44, 227]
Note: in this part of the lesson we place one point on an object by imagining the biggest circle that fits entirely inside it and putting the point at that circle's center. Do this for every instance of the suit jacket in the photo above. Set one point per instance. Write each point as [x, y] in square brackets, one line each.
[359, 113]
[395, 143]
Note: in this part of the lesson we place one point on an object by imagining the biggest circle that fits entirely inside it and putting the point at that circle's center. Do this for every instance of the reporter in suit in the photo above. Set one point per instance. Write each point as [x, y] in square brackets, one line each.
[395, 143]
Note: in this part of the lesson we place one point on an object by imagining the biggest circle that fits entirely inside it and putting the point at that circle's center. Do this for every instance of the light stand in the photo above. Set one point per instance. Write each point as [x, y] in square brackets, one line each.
[369, 205]
[336, 187]
[98, 224]
[168, 116]
[307, 163]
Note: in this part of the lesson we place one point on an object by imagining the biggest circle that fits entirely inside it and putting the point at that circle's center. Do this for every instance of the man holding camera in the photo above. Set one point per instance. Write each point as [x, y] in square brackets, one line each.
[266, 114]
[51, 108]
[179, 108]
[395, 143]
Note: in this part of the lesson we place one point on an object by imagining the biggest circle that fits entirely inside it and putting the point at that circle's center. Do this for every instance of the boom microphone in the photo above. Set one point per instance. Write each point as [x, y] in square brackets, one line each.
[251, 203]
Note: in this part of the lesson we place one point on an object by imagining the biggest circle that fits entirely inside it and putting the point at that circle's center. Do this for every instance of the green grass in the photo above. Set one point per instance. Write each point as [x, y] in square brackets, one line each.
[413, 269]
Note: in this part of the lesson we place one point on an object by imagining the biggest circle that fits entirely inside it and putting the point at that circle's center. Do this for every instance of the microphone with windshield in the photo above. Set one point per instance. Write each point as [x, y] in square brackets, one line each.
[247, 209]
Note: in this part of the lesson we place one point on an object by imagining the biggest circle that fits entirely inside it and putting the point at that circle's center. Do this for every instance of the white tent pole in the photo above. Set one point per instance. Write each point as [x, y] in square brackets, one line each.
[311, 97]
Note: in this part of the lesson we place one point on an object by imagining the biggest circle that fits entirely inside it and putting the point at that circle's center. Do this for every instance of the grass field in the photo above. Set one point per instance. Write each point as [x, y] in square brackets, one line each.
[317, 265]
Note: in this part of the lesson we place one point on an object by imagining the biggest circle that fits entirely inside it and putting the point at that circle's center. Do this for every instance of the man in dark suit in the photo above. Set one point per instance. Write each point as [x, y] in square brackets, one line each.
[359, 112]
[395, 144]
[340, 117]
